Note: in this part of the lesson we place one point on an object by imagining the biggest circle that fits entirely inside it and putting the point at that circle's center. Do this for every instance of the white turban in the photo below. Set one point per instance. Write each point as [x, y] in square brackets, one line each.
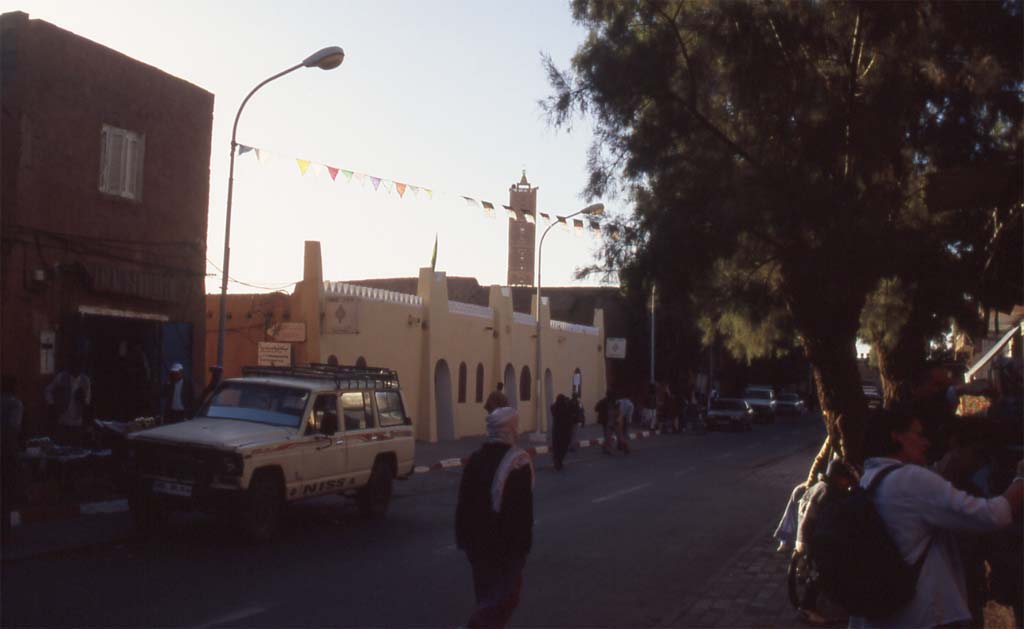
[502, 425]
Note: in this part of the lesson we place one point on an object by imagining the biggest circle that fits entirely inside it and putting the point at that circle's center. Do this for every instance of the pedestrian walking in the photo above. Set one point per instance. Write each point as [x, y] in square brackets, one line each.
[625, 406]
[607, 414]
[494, 519]
[563, 411]
[579, 419]
[497, 399]
[649, 409]
[178, 395]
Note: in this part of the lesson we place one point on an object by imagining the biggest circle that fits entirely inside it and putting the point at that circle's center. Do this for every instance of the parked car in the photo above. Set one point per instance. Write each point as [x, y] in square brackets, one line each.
[789, 404]
[276, 435]
[762, 400]
[729, 413]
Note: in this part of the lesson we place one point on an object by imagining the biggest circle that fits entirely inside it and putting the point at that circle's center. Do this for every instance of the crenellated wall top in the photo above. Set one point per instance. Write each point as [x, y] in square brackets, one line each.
[372, 294]
[574, 328]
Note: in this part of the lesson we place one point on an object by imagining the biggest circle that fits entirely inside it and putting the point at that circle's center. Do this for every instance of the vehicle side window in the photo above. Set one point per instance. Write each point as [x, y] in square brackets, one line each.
[368, 407]
[355, 411]
[324, 406]
[389, 408]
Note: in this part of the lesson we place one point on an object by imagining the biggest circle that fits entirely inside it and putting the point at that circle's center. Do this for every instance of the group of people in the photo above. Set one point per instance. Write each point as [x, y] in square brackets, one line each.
[949, 489]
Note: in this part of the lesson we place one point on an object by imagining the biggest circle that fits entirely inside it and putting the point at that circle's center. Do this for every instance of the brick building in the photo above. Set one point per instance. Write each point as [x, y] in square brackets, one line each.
[103, 209]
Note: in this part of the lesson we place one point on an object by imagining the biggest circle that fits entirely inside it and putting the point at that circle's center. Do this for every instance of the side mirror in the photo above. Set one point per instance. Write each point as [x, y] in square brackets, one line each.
[329, 424]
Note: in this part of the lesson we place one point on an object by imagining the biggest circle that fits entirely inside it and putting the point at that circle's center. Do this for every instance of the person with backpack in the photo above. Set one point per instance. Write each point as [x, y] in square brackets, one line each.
[886, 551]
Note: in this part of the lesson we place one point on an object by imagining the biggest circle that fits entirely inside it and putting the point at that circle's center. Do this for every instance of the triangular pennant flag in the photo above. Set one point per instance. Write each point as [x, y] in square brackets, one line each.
[487, 205]
[529, 218]
[303, 165]
[578, 225]
[262, 155]
[470, 201]
[400, 187]
[243, 149]
[430, 193]
[388, 184]
[546, 217]
[415, 190]
[348, 175]
[333, 172]
[360, 178]
[512, 214]
[375, 181]
[316, 169]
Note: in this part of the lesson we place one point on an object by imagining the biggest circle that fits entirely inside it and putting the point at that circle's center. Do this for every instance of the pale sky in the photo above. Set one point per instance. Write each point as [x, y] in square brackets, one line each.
[440, 94]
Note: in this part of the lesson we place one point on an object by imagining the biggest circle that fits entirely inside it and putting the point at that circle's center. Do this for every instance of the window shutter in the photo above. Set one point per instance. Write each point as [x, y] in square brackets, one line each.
[136, 145]
[115, 174]
[104, 157]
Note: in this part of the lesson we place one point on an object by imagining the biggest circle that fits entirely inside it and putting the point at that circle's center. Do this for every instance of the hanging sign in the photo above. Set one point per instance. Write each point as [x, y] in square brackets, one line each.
[274, 354]
[615, 347]
[288, 332]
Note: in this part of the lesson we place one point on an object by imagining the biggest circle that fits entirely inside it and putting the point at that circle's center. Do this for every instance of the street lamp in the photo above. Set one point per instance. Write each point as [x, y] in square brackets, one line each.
[597, 209]
[325, 59]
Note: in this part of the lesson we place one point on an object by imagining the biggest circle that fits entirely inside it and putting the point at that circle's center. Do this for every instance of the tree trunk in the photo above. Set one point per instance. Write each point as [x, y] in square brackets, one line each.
[898, 364]
[842, 400]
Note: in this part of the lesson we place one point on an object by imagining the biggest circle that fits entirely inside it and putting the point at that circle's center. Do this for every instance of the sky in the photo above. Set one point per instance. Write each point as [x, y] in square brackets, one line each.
[440, 94]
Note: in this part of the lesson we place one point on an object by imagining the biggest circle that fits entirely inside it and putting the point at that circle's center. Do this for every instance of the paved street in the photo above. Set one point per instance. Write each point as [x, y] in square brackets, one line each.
[638, 540]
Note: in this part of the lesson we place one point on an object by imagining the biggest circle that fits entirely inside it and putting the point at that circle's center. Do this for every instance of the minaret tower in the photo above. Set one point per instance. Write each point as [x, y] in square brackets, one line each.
[522, 234]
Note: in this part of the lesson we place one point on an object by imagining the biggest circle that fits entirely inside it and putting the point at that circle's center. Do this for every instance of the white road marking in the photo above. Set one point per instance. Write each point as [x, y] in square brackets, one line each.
[686, 471]
[233, 617]
[621, 492]
[451, 462]
[421, 469]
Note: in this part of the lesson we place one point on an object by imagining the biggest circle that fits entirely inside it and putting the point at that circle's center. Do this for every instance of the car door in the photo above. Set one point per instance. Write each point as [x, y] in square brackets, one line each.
[322, 465]
[362, 438]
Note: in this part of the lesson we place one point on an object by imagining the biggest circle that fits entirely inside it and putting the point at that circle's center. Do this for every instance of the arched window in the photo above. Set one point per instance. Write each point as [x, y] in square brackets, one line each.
[360, 363]
[524, 383]
[462, 383]
[479, 382]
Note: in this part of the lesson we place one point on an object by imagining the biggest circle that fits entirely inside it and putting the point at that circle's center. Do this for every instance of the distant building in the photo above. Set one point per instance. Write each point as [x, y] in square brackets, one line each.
[105, 187]
[449, 346]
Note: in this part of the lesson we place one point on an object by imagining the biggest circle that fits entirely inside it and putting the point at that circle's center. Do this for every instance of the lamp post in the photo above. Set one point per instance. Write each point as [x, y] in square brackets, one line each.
[325, 59]
[597, 209]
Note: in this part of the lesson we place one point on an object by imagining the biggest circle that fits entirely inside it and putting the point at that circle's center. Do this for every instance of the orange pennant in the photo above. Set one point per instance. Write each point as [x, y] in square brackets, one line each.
[401, 189]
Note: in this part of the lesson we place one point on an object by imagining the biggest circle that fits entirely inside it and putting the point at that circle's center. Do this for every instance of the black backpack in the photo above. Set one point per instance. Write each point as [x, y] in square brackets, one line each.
[858, 564]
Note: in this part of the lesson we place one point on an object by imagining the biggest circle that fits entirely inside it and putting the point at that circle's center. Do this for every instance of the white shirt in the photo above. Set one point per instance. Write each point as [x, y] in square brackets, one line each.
[918, 505]
[176, 403]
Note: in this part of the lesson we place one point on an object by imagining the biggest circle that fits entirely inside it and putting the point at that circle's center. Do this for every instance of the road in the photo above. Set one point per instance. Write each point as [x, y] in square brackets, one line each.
[618, 541]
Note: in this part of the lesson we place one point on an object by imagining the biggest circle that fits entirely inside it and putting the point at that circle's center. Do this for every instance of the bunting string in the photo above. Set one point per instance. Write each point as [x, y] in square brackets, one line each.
[390, 186]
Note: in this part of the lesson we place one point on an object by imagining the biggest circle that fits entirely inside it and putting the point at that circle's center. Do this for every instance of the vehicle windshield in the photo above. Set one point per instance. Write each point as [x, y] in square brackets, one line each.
[789, 397]
[728, 405]
[759, 395]
[259, 403]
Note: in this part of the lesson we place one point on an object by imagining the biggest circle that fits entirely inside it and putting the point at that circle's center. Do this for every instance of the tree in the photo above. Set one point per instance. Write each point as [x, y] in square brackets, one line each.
[776, 153]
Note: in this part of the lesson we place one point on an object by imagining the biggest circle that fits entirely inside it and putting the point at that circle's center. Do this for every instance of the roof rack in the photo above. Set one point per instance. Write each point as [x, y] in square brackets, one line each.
[323, 371]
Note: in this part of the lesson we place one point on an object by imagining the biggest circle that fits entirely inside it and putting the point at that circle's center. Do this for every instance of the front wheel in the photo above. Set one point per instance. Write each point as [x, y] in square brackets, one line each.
[375, 497]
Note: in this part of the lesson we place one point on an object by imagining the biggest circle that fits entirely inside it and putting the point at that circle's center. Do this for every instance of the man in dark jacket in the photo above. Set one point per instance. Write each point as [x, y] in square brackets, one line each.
[494, 519]
[564, 414]
[496, 399]
[178, 396]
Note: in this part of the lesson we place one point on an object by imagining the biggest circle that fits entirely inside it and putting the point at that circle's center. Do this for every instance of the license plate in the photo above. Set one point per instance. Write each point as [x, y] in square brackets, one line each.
[172, 489]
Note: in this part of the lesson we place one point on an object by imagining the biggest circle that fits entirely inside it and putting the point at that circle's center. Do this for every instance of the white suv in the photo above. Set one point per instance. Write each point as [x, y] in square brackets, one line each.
[273, 436]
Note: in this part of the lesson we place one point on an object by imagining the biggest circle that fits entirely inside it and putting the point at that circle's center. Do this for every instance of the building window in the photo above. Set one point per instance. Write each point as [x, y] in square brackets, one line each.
[121, 158]
[462, 383]
[524, 384]
[479, 382]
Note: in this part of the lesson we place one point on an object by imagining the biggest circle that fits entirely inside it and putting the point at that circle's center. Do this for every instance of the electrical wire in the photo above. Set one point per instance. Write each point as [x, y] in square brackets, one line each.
[220, 271]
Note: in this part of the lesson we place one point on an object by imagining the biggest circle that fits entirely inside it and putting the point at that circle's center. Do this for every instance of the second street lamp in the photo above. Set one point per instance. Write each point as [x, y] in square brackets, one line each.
[597, 209]
[325, 59]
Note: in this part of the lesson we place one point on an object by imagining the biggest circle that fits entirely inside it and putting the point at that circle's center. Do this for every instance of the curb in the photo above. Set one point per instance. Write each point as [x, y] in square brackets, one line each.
[44, 513]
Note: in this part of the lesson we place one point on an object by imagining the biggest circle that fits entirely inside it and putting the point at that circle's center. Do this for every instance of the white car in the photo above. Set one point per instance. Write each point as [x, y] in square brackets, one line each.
[274, 436]
[729, 413]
